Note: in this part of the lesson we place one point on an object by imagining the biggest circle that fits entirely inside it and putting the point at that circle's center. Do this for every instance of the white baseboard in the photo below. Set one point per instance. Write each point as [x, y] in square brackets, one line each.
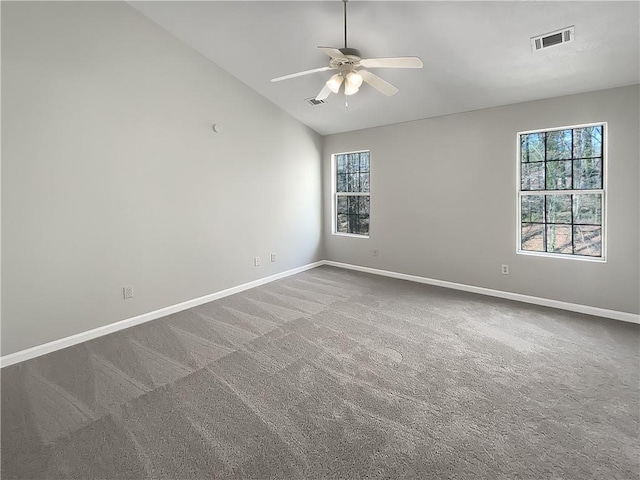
[49, 347]
[573, 307]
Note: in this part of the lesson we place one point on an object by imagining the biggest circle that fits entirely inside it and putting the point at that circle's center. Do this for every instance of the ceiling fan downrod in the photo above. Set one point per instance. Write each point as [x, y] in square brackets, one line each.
[345, 22]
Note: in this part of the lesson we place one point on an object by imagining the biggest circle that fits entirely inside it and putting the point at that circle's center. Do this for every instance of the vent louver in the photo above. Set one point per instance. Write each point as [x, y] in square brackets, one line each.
[314, 102]
[554, 38]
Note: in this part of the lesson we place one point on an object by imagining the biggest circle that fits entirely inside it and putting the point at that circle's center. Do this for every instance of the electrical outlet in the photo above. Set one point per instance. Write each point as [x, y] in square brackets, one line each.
[256, 261]
[127, 292]
[375, 252]
[273, 257]
[505, 269]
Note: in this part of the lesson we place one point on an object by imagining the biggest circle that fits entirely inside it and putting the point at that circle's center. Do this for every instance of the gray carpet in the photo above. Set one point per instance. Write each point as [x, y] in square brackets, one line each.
[334, 374]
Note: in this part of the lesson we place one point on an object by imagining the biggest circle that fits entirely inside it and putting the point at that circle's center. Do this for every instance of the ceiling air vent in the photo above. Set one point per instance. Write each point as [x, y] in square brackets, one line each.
[554, 38]
[314, 102]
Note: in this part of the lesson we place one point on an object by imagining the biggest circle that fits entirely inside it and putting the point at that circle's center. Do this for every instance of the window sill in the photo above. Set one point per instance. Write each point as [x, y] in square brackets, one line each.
[560, 255]
[352, 235]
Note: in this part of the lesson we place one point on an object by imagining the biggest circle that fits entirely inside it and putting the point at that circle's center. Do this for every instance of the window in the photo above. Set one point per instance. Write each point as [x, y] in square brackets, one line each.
[351, 193]
[561, 194]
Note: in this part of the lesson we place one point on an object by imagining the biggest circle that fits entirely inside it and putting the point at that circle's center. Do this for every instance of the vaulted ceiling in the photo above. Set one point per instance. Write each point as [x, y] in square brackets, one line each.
[476, 54]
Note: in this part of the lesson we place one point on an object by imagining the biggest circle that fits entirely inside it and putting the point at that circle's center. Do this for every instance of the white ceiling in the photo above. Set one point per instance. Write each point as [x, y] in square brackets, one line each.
[476, 54]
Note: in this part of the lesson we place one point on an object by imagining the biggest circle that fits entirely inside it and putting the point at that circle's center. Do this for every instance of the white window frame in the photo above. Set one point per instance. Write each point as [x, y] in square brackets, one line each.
[335, 194]
[602, 191]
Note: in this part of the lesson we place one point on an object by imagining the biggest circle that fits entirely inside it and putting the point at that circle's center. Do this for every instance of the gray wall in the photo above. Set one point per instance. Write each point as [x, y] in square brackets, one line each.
[111, 175]
[443, 200]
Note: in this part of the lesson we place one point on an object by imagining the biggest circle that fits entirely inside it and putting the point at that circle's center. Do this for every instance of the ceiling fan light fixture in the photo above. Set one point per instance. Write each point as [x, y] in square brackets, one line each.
[350, 89]
[354, 79]
[352, 83]
[334, 83]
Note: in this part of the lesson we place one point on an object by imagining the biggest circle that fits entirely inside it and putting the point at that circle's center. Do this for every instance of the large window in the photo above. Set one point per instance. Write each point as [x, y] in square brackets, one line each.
[561, 192]
[351, 193]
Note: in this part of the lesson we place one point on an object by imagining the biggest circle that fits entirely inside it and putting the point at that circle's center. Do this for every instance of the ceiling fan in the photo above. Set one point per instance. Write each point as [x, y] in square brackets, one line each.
[349, 64]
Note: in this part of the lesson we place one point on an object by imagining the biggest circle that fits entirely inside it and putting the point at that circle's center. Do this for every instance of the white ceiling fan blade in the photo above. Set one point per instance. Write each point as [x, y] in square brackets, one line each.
[392, 62]
[299, 74]
[324, 93]
[334, 53]
[379, 84]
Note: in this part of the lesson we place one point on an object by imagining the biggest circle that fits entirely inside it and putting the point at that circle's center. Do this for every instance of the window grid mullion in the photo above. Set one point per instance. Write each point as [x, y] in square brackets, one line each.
[561, 192]
[572, 162]
[544, 230]
[573, 246]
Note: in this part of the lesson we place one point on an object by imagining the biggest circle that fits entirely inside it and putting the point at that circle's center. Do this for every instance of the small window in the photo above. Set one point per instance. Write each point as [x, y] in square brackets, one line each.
[351, 193]
[561, 192]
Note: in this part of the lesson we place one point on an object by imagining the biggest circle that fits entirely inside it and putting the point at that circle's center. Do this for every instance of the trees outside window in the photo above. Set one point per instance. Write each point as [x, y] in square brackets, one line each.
[351, 193]
[561, 194]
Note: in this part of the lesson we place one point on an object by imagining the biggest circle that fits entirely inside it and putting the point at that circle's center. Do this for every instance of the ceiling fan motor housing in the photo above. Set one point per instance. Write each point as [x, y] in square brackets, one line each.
[353, 58]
